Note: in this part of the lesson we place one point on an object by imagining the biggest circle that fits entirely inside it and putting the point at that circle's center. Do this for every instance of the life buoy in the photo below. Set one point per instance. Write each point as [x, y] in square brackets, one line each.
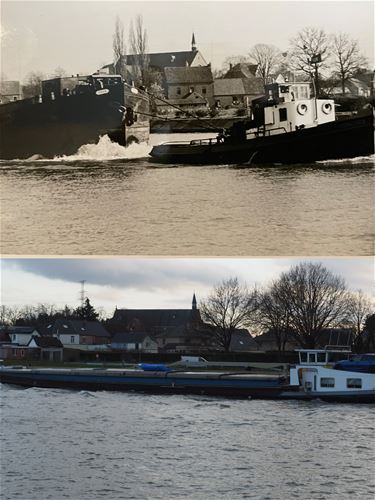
[302, 108]
[327, 108]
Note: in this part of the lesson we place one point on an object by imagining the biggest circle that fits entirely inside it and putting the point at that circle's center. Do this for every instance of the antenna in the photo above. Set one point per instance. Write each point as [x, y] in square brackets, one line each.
[82, 294]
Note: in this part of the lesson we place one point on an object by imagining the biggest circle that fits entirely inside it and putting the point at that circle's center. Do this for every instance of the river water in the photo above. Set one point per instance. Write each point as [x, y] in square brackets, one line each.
[59, 444]
[112, 201]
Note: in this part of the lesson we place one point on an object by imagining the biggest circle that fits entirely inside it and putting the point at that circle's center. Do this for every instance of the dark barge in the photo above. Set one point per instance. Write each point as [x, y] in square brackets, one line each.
[71, 112]
[237, 385]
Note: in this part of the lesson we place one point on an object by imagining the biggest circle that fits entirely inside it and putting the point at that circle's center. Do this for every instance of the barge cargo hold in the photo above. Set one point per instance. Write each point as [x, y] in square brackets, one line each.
[238, 385]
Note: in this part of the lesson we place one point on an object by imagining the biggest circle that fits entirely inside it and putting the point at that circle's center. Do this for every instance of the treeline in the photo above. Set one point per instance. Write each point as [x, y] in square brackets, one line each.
[299, 306]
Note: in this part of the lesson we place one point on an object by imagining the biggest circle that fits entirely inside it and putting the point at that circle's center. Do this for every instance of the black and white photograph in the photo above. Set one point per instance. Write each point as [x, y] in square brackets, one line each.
[187, 250]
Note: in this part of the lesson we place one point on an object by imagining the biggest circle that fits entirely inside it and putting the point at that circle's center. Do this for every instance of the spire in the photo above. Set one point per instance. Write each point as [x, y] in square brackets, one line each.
[194, 303]
[193, 44]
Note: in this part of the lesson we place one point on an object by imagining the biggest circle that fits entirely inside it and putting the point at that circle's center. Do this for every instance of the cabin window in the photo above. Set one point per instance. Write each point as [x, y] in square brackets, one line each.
[72, 339]
[354, 383]
[327, 382]
[283, 115]
[204, 90]
[321, 357]
[191, 90]
[312, 358]
[303, 357]
[178, 91]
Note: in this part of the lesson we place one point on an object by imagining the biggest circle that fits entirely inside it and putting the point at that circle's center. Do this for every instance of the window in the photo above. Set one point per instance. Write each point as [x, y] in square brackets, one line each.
[191, 90]
[72, 339]
[283, 115]
[204, 90]
[354, 383]
[327, 382]
[178, 91]
[312, 357]
[321, 357]
[303, 357]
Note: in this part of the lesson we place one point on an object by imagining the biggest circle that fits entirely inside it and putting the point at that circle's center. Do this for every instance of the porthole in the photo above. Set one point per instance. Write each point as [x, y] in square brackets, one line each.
[302, 109]
[327, 108]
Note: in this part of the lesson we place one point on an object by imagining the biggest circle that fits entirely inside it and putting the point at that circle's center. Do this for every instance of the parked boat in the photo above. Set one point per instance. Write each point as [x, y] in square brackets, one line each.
[320, 375]
[288, 126]
[71, 112]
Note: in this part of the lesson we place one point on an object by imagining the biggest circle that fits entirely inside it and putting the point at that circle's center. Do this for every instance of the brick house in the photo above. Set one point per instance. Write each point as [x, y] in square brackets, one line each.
[181, 82]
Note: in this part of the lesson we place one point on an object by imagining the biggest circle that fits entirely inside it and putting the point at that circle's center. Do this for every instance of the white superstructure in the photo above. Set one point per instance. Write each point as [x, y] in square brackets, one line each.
[292, 106]
[315, 374]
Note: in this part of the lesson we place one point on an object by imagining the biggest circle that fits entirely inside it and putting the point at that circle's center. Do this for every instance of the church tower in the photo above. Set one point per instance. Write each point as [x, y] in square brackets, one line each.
[194, 303]
[193, 44]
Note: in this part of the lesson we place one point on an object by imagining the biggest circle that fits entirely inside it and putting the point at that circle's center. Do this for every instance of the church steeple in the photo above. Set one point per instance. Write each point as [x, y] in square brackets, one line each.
[193, 44]
[194, 303]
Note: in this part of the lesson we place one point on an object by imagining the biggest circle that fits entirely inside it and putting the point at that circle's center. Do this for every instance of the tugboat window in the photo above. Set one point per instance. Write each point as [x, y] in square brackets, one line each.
[354, 383]
[283, 114]
[178, 91]
[327, 382]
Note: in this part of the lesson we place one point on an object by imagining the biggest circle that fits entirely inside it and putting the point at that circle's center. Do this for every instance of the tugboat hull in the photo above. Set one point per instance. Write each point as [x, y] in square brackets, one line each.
[348, 138]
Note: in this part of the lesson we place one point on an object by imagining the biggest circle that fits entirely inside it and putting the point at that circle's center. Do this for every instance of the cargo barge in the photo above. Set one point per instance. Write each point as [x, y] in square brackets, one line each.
[71, 112]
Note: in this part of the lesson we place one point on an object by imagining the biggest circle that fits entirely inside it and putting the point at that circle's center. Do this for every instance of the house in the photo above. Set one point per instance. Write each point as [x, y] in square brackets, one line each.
[134, 342]
[180, 82]
[10, 91]
[241, 70]
[21, 335]
[45, 348]
[79, 334]
[230, 92]
[242, 341]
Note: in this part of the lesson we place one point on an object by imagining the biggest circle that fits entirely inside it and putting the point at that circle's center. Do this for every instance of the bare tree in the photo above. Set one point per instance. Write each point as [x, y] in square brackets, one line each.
[119, 49]
[273, 315]
[359, 308]
[9, 314]
[267, 57]
[229, 306]
[33, 84]
[310, 50]
[347, 58]
[368, 333]
[139, 47]
[314, 298]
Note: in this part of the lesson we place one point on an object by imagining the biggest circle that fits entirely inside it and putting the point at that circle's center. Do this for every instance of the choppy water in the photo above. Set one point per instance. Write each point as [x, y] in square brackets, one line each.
[58, 444]
[108, 200]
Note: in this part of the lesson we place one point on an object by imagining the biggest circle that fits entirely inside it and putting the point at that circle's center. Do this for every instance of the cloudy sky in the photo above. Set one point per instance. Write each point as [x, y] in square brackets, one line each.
[77, 35]
[150, 283]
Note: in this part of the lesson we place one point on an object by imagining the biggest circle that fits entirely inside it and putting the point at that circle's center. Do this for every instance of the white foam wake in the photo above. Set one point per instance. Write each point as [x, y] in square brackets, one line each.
[105, 149]
[358, 159]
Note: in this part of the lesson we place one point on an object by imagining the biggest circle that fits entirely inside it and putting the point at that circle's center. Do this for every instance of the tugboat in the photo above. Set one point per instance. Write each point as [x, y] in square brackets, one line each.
[71, 112]
[318, 375]
[289, 125]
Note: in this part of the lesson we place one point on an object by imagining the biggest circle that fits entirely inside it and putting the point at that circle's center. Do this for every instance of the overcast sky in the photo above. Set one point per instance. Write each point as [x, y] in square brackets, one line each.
[150, 283]
[77, 35]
